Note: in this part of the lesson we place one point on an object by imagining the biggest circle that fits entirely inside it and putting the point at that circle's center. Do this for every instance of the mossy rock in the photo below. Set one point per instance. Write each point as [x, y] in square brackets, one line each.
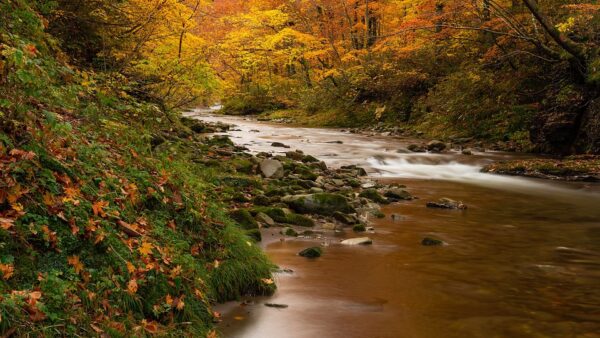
[277, 214]
[254, 234]
[354, 183]
[359, 228]
[300, 220]
[289, 232]
[244, 218]
[373, 195]
[322, 203]
[310, 159]
[397, 194]
[239, 182]
[240, 197]
[378, 214]
[313, 252]
[244, 166]
[261, 200]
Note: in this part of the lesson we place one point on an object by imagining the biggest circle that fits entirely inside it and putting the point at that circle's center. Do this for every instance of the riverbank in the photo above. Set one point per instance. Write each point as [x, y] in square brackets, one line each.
[368, 123]
[572, 168]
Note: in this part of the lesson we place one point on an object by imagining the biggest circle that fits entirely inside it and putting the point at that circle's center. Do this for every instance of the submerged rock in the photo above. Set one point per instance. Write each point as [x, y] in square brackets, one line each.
[323, 204]
[271, 168]
[313, 252]
[279, 145]
[428, 241]
[446, 203]
[358, 241]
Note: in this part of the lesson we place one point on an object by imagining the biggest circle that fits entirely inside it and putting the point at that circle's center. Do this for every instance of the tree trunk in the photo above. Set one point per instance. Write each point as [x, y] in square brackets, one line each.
[568, 45]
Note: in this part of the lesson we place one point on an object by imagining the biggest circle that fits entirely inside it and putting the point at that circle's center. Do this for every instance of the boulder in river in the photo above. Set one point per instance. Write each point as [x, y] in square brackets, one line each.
[322, 203]
[279, 145]
[397, 194]
[331, 226]
[289, 232]
[313, 252]
[373, 195]
[446, 203]
[345, 218]
[359, 228]
[416, 148]
[358, 241]
[271, 168]
[436, 146]
[295, 155]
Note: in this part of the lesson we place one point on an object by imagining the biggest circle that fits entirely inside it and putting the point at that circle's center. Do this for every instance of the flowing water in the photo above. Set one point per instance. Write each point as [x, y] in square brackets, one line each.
[522, 261]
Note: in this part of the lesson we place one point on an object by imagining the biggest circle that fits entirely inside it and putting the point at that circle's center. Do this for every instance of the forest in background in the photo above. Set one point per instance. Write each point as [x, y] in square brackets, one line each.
[524, 72]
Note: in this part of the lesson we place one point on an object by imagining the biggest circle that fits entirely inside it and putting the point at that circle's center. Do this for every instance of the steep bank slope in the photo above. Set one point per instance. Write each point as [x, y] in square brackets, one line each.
[107, 225]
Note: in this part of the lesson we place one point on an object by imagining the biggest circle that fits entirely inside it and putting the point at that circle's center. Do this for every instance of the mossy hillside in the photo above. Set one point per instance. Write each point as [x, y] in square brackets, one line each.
[109, 224]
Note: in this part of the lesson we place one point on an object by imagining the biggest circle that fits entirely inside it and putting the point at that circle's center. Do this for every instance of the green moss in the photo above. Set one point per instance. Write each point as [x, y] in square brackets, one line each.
[313, 252]
[244, 218]
[359, 228]
[300, 220]
[373, 195]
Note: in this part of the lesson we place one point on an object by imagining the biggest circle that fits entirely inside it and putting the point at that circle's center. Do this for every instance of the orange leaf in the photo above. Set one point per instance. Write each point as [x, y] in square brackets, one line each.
[132, 286]
[6, 223]
[7, 271]
[179, 304]
[146, 248]
[76, 263]
[130, 267]
[98, 208]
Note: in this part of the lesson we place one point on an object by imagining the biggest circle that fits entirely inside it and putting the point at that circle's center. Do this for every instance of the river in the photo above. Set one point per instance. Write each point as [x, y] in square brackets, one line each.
[522, 261]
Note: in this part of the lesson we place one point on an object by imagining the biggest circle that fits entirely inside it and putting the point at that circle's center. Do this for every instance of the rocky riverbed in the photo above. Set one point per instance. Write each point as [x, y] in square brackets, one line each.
[297, 193]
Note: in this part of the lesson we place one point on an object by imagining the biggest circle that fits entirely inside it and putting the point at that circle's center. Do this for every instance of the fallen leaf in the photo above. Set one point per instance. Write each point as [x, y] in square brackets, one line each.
[130, 267]
[7, 271]
[146, 248]
[98, 208]
[132, 286]
[6, 223]
[267, 281]
[76, 263]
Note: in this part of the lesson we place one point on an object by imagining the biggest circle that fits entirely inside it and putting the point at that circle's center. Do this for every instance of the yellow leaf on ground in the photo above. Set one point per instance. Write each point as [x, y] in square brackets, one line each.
[146, 248]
